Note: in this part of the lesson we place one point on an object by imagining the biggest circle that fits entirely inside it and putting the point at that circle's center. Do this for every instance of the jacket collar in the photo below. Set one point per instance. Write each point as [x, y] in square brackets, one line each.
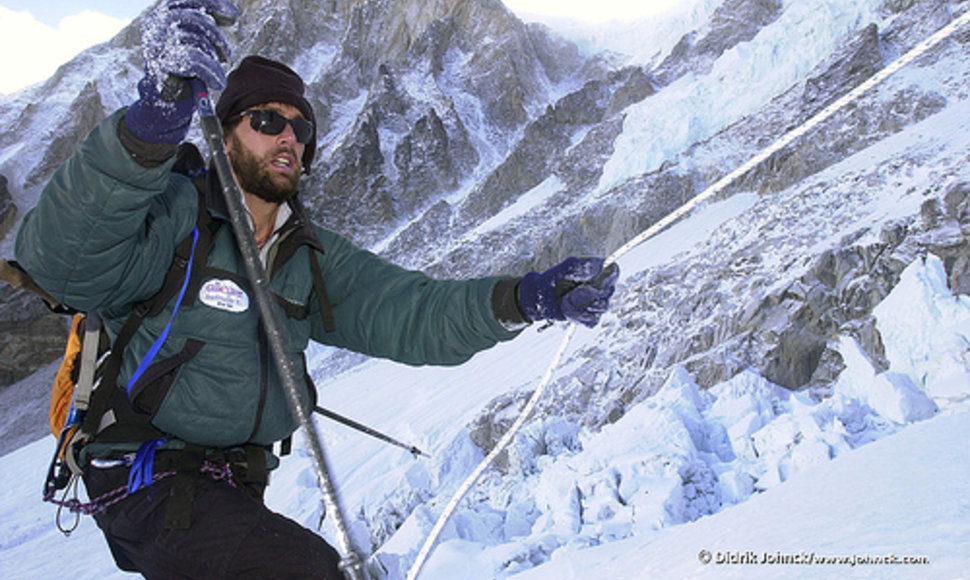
[298, 227]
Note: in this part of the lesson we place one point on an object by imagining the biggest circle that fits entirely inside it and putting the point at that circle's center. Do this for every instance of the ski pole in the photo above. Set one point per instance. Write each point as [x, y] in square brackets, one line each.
[351, 563]
[365, 429]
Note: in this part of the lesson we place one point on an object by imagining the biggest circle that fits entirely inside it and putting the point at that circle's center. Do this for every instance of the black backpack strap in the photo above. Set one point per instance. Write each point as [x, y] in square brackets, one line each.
[112, 366]
[190, 163]
[326, 312]
[286, 446]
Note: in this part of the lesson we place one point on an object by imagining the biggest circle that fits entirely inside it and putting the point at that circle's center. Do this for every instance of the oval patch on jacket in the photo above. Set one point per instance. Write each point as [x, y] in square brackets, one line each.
[224, 295]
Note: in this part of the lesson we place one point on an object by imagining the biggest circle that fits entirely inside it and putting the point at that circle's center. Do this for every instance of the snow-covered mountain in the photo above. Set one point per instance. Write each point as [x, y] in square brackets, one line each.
[755, 351]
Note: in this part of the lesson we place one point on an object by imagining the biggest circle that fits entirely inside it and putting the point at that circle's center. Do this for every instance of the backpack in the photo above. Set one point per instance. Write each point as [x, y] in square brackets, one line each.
[69, 382]
[66, 378]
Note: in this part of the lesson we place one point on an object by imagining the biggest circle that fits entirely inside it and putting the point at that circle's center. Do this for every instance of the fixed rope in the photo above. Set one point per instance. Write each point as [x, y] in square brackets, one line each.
[656, 228]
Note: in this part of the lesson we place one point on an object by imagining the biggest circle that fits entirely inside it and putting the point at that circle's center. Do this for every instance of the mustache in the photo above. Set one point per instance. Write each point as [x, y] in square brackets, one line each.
[288, 150]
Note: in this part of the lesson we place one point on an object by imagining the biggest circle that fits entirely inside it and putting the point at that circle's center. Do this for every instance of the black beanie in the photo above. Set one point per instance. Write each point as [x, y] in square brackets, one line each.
[258, 80]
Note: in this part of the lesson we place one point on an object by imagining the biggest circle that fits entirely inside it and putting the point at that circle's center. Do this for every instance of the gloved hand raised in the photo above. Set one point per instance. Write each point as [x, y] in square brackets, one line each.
[577, 289]
[181, 39]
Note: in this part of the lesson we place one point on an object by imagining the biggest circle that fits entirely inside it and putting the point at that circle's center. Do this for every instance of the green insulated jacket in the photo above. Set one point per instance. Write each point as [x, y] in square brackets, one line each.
[102, 238]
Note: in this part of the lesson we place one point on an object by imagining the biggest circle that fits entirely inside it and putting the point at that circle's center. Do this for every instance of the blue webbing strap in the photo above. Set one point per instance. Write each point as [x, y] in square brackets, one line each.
[153, 351]
[142, 472]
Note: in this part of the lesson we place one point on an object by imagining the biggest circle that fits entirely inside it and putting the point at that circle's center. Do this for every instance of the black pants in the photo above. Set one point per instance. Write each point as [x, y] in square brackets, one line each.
[233, 534]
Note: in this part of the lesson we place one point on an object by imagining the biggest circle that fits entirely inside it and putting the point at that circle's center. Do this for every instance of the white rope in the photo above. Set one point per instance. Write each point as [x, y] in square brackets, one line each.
[656, 228]
[499, 447]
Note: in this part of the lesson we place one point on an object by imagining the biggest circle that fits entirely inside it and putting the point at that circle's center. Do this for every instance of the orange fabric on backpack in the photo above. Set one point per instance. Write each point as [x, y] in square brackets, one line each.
[63, 392]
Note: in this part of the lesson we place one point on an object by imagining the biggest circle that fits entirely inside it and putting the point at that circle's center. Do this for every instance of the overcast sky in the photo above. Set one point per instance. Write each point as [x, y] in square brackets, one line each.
[51, 32]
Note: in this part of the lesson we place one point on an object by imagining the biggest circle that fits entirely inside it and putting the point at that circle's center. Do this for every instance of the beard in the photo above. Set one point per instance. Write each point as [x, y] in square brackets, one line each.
[254, 177]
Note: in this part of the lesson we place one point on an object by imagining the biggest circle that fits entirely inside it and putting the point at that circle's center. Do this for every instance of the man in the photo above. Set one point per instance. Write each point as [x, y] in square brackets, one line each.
[197, 404]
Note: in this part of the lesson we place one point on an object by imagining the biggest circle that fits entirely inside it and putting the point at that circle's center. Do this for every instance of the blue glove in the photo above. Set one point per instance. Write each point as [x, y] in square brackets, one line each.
[181, 39]
[577, 289]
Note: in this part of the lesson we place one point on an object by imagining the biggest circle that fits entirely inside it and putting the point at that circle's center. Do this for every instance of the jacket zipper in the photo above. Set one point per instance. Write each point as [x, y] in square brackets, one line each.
[264, 358]
[264, 363]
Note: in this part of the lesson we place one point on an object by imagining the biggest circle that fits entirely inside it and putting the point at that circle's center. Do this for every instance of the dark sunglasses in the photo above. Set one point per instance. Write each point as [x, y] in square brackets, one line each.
[269, 122]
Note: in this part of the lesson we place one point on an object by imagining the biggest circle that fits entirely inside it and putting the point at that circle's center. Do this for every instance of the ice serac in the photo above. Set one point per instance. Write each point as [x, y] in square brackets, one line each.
[734, 22]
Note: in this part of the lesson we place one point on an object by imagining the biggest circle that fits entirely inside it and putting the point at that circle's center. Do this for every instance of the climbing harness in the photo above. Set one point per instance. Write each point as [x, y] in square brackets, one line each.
[653, 230]
[216, 471]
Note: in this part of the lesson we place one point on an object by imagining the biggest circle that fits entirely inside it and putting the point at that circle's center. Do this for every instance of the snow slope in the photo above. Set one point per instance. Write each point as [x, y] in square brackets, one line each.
[907, 500]
[902, 496]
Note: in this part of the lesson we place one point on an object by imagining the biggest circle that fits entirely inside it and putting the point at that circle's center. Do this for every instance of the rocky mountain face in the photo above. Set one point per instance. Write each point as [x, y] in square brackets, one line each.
[413, 99]
[30, 335]
[456, 139]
